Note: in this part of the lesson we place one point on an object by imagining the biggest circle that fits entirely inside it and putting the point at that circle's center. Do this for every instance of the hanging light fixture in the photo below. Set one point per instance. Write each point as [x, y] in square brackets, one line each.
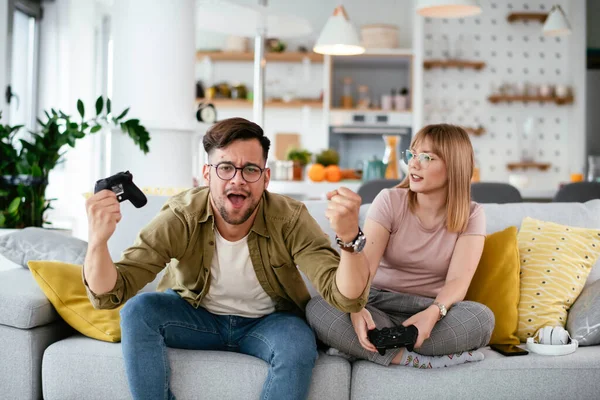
[448, 8]
[338, 37]
[556, 23]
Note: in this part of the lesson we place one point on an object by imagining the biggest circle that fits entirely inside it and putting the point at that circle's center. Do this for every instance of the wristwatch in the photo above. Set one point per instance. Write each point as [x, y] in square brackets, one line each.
[355, 246]
[443, 310]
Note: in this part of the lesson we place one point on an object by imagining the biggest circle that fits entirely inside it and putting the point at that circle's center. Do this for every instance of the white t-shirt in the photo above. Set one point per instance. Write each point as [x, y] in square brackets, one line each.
[234, 288]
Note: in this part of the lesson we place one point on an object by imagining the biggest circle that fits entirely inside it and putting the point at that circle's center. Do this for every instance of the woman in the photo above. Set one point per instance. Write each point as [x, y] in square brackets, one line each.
[424, 241]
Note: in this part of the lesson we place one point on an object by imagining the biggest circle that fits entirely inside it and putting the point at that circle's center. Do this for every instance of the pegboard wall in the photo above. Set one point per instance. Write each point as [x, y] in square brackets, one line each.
[517, 54]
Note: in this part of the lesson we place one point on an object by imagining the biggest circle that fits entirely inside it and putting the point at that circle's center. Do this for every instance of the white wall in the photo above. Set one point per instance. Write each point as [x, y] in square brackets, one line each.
[516, 53]
[3, 55]
[154, 56]
[361, 12]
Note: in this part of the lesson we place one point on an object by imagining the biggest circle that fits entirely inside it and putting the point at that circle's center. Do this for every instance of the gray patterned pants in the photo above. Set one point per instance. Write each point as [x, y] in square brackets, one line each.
[467, 326]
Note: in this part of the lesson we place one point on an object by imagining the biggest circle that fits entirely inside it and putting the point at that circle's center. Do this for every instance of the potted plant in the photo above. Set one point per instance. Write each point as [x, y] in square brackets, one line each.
[300, 158]
[25, 163]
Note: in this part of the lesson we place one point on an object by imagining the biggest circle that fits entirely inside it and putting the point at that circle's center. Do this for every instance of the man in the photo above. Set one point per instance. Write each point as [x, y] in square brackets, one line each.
[234, 285]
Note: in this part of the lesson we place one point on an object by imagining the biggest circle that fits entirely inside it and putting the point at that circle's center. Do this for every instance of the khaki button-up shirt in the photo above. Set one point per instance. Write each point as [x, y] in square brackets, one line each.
[181, 238]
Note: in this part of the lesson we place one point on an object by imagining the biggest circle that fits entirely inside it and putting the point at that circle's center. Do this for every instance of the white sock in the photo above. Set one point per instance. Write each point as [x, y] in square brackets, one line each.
[332, 351]
[416, 360]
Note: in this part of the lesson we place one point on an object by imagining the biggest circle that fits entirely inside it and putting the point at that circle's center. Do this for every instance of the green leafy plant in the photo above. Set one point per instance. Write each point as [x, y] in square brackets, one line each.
[328, 157]
[300, 156]
[25, 163]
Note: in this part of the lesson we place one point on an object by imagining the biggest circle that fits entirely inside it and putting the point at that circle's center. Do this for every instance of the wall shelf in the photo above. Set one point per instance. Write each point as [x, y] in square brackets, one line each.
[272, 57]
[476, 65]
[533, 99]
[373, 110]
[276, 103]
[527, 165]
[526, 16]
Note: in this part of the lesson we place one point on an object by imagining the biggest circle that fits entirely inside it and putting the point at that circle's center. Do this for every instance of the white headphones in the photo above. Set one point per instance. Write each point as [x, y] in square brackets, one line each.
[552, 341]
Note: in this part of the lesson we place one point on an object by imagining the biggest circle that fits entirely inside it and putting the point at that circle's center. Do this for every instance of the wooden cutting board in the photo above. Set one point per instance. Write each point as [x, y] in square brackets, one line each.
[285, 141]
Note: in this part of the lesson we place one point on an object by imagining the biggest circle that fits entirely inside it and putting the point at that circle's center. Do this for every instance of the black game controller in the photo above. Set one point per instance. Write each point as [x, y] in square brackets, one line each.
[393, 338]
[122, 185]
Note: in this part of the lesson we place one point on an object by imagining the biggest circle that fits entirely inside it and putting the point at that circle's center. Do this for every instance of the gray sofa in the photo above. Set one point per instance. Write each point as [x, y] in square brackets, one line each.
[42, 357]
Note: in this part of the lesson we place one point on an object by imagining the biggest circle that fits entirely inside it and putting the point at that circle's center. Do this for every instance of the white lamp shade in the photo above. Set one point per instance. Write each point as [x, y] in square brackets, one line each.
[556, 23]
[338, 36]
[448, 8]
[246, 20]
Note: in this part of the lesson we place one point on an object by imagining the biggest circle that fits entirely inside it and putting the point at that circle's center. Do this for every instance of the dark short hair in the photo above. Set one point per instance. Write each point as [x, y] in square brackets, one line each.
[225, 132]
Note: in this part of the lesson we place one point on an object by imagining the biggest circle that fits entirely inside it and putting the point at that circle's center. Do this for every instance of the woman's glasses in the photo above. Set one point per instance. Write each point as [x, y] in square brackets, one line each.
[423, 158]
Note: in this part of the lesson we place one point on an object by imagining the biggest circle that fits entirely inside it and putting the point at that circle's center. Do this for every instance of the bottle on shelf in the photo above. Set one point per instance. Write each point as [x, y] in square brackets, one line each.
[401, 100]
[387, 101]
[347, 100]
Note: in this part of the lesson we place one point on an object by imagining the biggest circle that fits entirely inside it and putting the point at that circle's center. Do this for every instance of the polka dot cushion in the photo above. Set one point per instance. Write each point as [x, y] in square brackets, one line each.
[555, 262]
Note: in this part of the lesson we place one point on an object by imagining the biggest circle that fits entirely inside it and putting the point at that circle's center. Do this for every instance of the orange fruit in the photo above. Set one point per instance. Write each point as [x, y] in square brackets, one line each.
[316, 173]
[333, 173]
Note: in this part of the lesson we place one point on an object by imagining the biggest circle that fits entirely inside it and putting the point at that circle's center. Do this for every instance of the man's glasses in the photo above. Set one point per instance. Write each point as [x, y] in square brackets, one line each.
[423, 158]
[226, 171]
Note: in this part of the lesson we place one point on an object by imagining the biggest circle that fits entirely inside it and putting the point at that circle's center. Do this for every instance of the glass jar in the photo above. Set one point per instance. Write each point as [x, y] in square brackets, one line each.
[347, 100]
[593, 169]
[363, 97]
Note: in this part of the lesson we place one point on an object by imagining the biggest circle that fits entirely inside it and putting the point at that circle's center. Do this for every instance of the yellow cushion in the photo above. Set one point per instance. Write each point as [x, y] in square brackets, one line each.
[496, 283]
[555, 262]
[63, 286]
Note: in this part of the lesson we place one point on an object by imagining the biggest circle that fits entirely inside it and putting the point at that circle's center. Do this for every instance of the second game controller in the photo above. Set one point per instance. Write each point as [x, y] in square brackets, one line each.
[393, 338]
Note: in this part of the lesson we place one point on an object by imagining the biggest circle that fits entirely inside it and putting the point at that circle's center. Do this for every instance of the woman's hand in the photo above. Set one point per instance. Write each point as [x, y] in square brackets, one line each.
[362, 322]
[424, 322]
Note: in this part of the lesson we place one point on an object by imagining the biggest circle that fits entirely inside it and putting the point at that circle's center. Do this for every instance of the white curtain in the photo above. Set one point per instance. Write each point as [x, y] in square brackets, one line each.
[68, 72]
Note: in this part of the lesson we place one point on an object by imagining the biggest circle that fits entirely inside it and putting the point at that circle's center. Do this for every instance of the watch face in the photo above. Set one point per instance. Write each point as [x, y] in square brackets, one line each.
[443, 310]
[361, 244]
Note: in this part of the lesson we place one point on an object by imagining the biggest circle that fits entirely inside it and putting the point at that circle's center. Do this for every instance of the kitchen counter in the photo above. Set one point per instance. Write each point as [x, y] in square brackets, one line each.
[308, 190]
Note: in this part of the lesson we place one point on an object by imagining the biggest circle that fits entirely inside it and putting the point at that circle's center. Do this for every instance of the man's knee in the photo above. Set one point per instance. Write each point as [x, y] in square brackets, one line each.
[140, 307]
[296, 345]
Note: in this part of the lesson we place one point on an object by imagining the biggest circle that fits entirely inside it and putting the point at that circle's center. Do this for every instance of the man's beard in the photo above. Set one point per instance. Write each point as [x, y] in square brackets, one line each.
[240, 220]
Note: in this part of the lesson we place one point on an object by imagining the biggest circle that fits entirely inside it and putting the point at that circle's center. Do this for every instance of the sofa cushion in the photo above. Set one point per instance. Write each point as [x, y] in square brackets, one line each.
[555, 262]
[62, 284]
[41, 244]
[24, 305]
[583, 215]
[574, 376]
[583, 322]
[496, 284]
[82, 368]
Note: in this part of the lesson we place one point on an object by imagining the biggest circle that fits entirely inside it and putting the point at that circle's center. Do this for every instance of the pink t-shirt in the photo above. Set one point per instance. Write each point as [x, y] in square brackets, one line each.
[416, 259]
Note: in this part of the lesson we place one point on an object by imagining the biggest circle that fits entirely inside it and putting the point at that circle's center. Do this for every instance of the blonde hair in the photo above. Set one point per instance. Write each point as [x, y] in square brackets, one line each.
[452, 144]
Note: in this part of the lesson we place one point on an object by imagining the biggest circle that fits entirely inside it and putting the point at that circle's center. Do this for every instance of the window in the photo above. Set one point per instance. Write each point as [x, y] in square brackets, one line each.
[23, 61]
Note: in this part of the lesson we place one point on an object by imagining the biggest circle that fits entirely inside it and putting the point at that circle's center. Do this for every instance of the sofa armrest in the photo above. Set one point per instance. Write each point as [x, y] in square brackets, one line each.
[22, 303]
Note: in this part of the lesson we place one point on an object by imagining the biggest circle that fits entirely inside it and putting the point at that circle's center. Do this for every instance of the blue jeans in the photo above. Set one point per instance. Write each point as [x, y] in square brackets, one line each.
[151, 322]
